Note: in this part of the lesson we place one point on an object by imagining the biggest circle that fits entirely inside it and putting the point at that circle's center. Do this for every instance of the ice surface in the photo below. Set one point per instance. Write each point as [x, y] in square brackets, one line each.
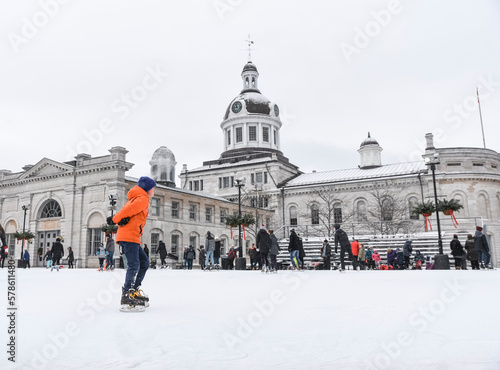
[248, 320]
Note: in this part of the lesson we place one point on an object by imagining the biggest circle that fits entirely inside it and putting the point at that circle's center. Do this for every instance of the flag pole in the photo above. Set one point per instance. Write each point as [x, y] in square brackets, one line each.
[480, 117]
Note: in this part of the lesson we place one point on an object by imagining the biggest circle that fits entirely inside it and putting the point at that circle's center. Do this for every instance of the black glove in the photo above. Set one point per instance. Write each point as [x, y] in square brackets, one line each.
[124, 221]
[109, 221]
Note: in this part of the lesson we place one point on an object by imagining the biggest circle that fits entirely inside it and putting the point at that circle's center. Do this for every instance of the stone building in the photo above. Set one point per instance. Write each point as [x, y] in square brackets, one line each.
[71, 200]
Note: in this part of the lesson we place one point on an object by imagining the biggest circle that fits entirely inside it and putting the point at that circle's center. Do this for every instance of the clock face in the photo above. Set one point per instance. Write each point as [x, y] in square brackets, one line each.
[236, 108]
[276, 110]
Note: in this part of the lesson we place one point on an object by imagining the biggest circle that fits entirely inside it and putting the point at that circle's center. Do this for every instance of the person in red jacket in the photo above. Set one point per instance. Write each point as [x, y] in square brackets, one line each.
[131, 220]
[355, 252]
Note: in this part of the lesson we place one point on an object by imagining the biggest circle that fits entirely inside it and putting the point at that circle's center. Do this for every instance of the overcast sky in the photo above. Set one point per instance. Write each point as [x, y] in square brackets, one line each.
[84, 76]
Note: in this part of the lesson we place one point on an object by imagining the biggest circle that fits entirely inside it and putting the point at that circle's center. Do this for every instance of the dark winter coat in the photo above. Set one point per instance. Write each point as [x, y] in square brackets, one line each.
[26, 256]
[302, 253]
[263, 241]
[210, 244]
[480, 242]
[202, 255]
[472, 254]
[456, 248]
[217, 249]
[57, 250]
[294, 242]
[2, 240]
[326, 250]
[48, 255]
[232, 254]
[190, 253]
[253, 253]
[391, 256]
[275, 248]
[419, 257]
[407, 249]
[342, 239]
[110, 245]
[71, 256]
[162, 250]
[369, 253]
[400, 258]
[146, 250]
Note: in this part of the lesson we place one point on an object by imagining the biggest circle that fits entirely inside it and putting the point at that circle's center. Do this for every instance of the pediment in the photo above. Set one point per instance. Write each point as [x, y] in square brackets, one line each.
[47, 167]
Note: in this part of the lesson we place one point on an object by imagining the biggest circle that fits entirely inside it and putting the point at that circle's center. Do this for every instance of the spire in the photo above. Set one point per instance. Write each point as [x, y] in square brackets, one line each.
[249, 74]
[249, 43]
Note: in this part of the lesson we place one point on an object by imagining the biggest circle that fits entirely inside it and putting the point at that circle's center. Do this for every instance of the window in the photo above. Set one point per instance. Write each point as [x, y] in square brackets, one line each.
[239, 134]
[51, 209]
[220, 182]
[265, 134]
[258, 177]
[252, 133]
[252, 178]
[190, 185]
[201, 185]
[155, 206]
[174, 244]
[192, 212]
[196, 186]
[192, 241]
[361, 211]
[175, 209]
[94, 241]
[208, 214]
[228, 135]
[387, 209]
[268, 223]
[232, 181]
[155, 238]
[265, 177]
[275, 137]
[223, 213]
[315, 214]
[293, 216]
[226, 182]
[337, 213]
[412, 202]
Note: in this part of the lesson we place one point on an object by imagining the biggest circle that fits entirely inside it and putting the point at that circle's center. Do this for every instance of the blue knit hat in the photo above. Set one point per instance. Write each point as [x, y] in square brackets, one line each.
[146, 183]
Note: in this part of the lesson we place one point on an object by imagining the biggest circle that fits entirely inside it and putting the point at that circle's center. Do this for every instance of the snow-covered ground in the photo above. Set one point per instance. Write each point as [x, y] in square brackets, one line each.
[248, 320]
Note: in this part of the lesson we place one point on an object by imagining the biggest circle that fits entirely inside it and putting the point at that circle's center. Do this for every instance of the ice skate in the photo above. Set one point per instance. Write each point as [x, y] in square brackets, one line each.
[139, 295]
[130, 304]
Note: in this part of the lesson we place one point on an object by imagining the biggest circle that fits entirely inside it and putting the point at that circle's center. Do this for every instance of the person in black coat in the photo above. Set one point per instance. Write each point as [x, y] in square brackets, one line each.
[345, 246]
[162, 251]
[472, 254]
[202, 257]
[293, 248]
[57, 252]
[457, 251]
[3, 246]
[481, 245]
[146, 250]
[263, 242]
[302, 252]
[326, 253]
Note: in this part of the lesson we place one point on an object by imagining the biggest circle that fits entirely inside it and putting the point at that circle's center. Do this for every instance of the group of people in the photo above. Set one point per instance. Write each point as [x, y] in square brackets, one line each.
[296, 249]
[476, 250]
[54, 255]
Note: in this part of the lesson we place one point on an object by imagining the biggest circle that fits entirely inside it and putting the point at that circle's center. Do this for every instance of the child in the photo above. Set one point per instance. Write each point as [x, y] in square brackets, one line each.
[419, 260]
[101, 253]
[231, 256]
[391, 257]
[376, 259]
[361, 257]
[400, 260]
[48, 257]
[26, 258]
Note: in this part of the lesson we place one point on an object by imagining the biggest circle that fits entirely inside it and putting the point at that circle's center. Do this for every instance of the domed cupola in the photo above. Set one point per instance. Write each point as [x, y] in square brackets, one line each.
[370, 153]
[163, 166]
[251, 120]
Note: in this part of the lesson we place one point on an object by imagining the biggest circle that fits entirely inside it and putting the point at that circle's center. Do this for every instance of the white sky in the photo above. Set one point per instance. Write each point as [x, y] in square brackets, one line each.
[404, 81]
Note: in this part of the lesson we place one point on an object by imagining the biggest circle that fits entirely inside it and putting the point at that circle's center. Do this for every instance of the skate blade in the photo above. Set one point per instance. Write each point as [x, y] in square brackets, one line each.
[128, 308]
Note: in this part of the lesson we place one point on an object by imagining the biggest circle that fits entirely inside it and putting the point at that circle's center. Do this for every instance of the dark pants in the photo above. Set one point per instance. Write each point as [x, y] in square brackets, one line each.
[253, 263]
[343, 251]
[274, 263]
[190, 263]
[110, 260]
[26, 264]
[458, 261]
[2, 260]
[70, 264]
[407, 261]
[264, 259]
[326, 263]
[474, 265]
[138, 264]
[370, 264]
[56, 261]
[101, 262]
[231, 264]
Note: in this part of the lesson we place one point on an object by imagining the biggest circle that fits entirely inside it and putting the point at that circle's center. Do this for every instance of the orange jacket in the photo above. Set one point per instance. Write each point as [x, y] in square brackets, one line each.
[137, 210]
[355, 248]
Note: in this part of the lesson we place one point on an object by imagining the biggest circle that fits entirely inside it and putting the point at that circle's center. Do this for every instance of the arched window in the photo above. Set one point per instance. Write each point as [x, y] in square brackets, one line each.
[412, 202]
[361, 211]
[293, 216]
[172, 174]
[51, 209]
[387, 211]
[337, 213]
[482, 206]
[163, 176]
[314, 214]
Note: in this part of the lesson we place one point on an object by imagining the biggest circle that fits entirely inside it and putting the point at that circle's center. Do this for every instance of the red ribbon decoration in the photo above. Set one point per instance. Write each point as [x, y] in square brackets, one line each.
[244, 236]
[426, 217]
[231, 232]
[453, 218]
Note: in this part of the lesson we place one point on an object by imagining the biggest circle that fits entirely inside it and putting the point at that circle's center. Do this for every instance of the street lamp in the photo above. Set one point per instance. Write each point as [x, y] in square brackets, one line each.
[240, 261]
[441, 261]
[25, 209]
[112, 203]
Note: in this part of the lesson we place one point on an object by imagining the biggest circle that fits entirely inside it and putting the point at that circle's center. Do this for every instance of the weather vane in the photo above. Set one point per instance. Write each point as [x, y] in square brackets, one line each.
[250, 43]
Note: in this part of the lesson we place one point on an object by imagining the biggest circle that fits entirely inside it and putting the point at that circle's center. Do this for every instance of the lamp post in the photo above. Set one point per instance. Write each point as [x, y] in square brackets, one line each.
[441, 261]
[112, 204]
[25, 209]
[240, 261]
